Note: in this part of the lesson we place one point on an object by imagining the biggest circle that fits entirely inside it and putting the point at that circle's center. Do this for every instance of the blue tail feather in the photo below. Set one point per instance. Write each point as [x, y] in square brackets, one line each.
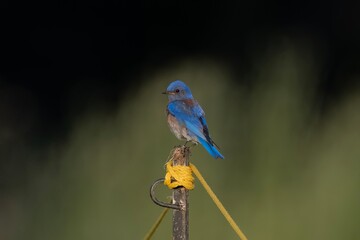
[211, 148]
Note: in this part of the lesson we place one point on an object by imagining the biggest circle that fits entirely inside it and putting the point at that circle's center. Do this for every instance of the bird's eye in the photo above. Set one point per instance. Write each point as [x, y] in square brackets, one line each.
[177, 90]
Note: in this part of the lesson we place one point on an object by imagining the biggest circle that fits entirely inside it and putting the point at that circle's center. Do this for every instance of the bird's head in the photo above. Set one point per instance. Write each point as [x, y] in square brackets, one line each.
[178, 90]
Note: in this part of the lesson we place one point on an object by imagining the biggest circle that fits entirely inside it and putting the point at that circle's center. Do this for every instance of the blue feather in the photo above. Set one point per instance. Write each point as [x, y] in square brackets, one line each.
[211, 149]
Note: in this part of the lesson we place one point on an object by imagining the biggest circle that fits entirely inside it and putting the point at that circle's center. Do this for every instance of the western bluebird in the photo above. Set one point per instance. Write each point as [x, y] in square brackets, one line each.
[187, 119]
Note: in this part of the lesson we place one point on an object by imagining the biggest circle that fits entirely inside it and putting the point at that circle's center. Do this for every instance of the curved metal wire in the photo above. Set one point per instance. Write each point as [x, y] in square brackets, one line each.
[158, 202]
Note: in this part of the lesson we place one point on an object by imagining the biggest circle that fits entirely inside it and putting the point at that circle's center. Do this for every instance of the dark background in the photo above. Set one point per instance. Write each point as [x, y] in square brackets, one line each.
[70, 55]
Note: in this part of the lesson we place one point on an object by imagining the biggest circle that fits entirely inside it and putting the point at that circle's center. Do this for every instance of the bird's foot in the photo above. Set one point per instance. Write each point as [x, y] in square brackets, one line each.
[193, 144]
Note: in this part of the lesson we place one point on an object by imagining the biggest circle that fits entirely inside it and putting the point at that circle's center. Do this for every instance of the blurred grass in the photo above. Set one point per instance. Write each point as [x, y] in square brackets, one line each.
[287, 174]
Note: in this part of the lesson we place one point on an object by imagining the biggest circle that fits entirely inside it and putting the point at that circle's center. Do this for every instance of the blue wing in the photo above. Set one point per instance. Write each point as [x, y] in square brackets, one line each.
[192, 116]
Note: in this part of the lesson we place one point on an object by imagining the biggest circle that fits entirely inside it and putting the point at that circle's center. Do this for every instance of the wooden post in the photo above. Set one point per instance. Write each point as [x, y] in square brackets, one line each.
[180, 197]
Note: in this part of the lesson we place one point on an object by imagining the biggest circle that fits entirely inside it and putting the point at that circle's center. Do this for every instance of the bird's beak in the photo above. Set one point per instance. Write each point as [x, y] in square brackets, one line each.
[168, 93]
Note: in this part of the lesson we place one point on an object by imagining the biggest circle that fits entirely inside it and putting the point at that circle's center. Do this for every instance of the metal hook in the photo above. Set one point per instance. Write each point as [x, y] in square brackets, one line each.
[156, 201]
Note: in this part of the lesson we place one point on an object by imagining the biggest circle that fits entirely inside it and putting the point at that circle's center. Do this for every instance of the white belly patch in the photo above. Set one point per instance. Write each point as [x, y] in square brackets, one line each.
[179, 131]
